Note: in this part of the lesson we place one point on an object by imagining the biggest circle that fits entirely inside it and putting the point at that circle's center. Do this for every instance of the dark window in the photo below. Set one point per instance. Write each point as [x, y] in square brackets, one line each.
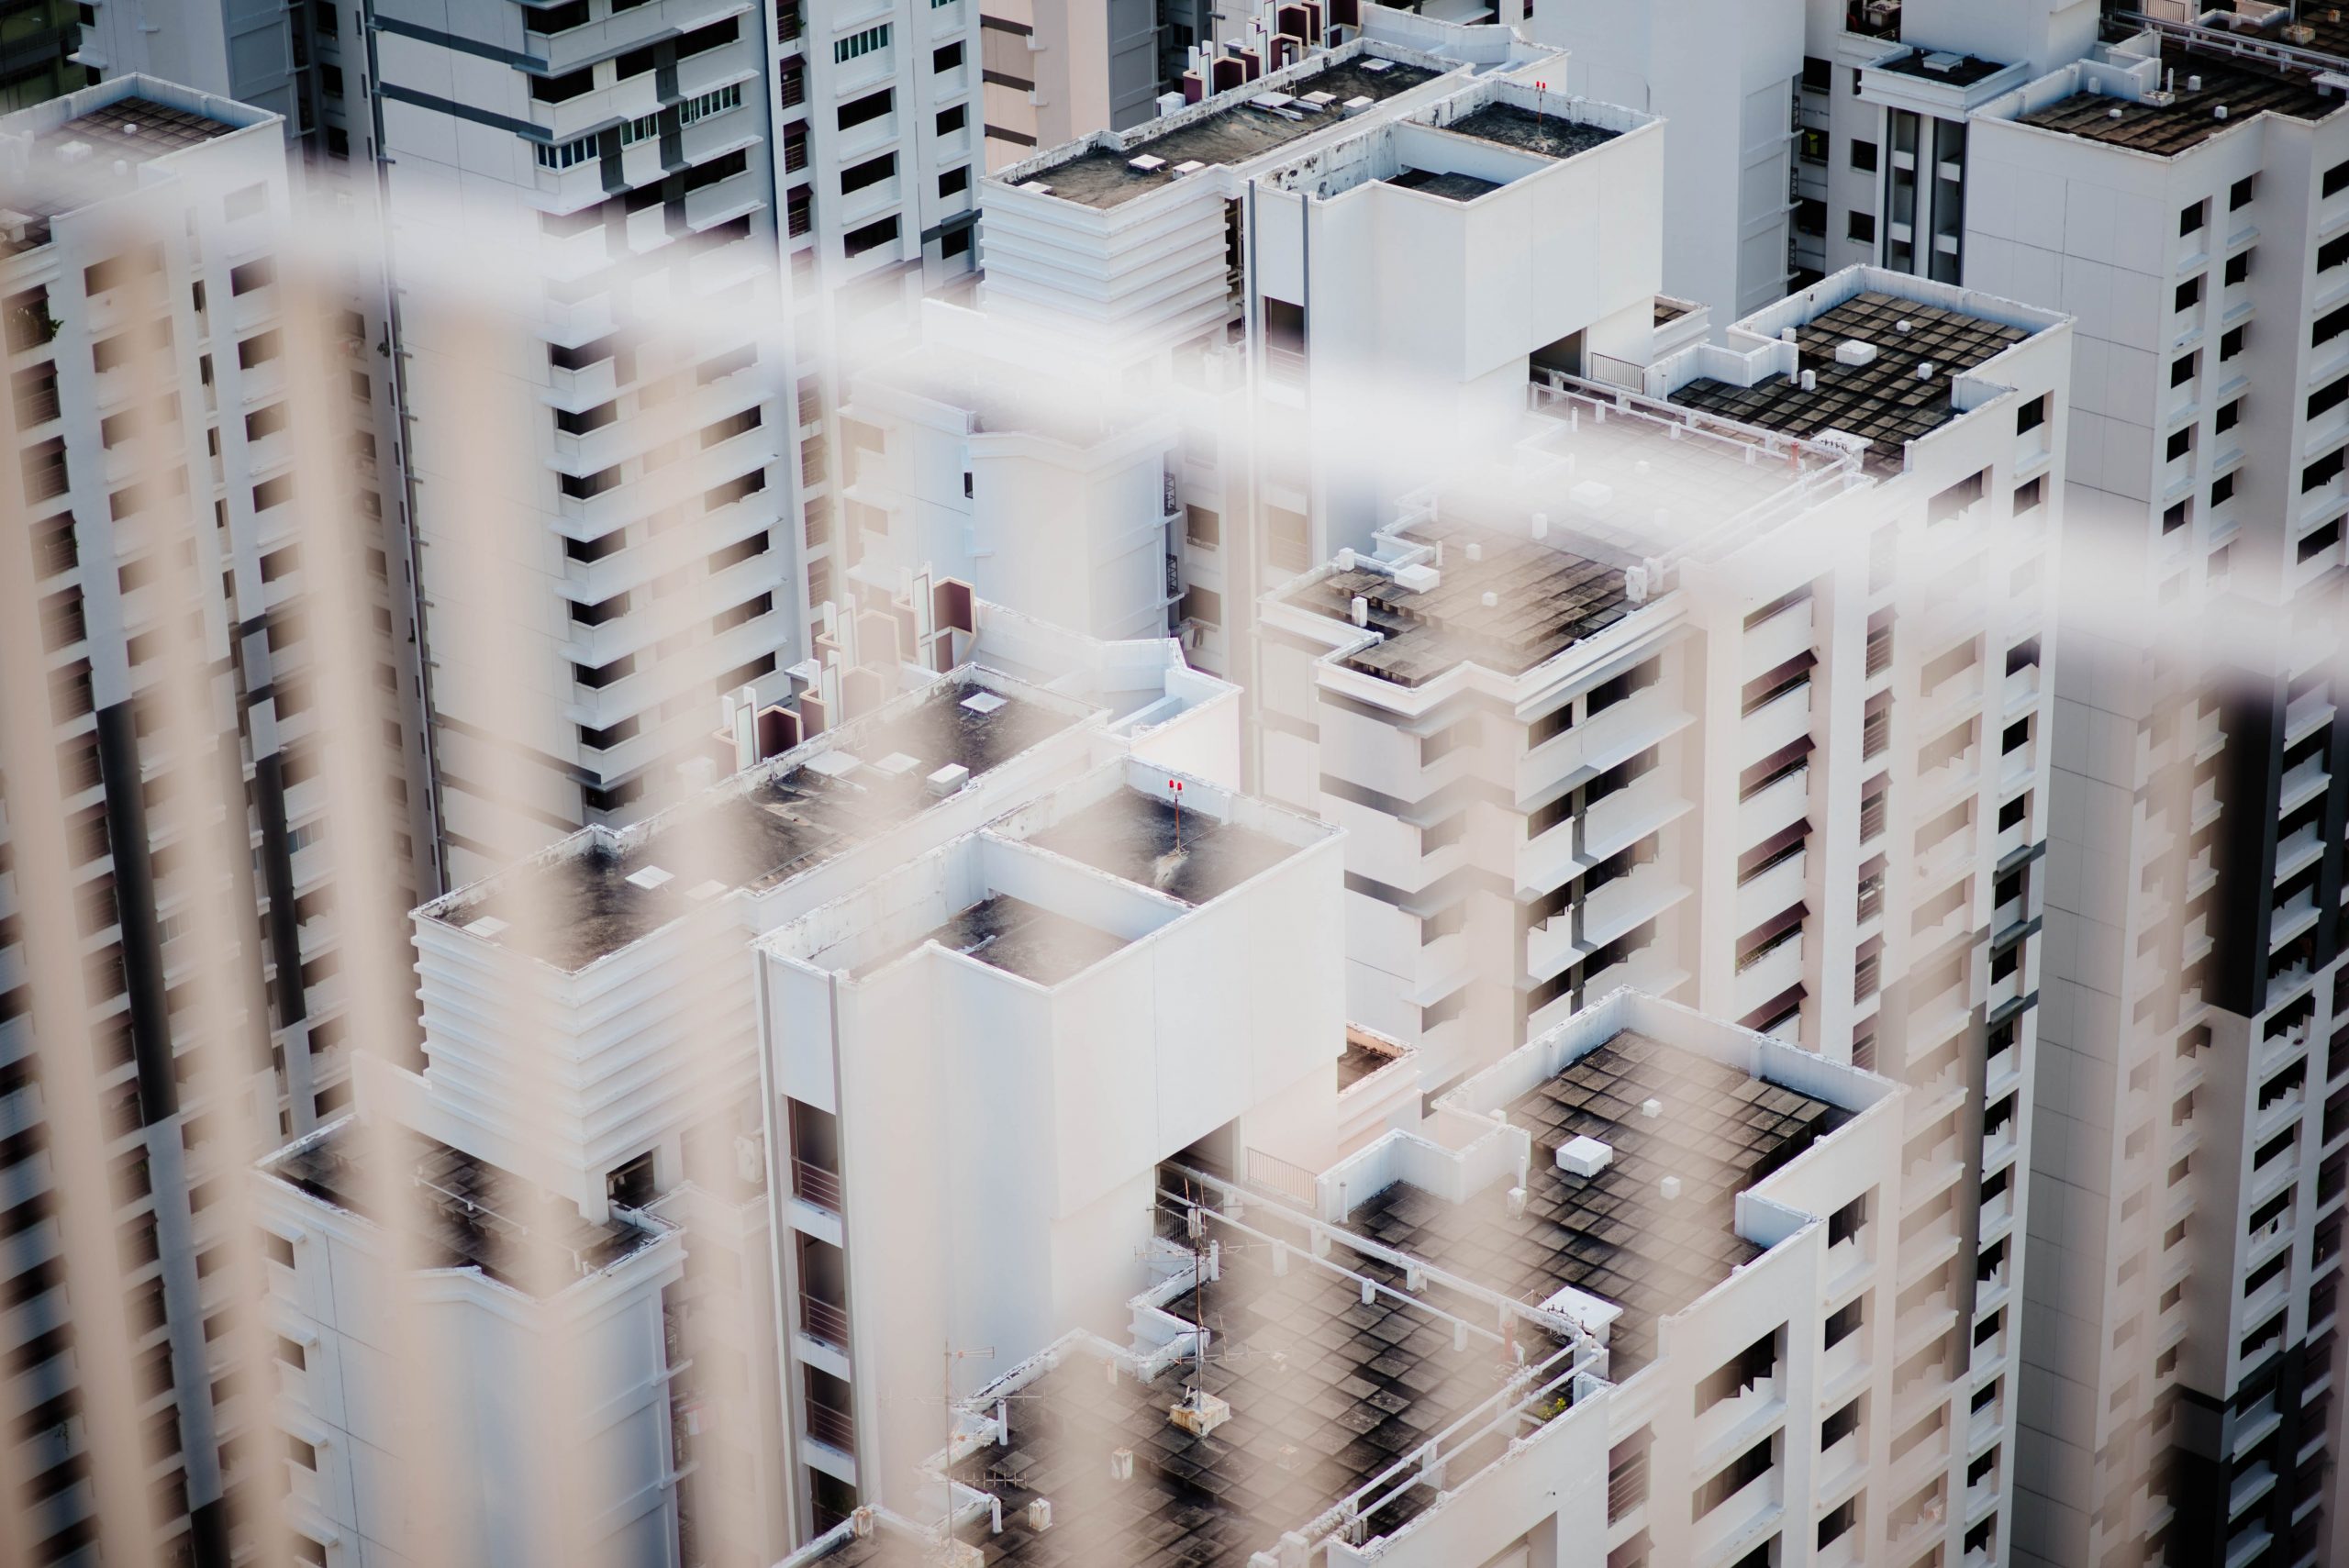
[869, 172]
[701, 40]
[1863, 157]
[2222, 490]
[2190, 220]
[858, 111]
[2238, 266]
[254, 274]
[871, 237]
[955, 181]
[2181, 369]
[2181, 441]
[1817, 75]
[563, 88]
[1860, 227]
[2031, 414]
[949, 57]
[2189, 294]
[2238, 194]
[952, 120]
[2336, 179]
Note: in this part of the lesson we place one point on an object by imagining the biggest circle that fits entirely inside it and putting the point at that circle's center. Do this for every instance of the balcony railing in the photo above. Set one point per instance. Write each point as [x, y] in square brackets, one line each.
[817, 1185]
[830, 1424]
[824, 1320]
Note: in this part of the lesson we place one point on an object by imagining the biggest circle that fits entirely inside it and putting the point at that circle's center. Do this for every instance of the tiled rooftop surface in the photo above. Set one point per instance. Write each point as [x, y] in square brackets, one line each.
[136, 129]
[469, 1213]
[1548, 599]
[1326, 1394]
[573, 910]
[1021, 937]
[1234, 134]
[1614, 1235]
[2191, 119]
[1883, 400]
[1545, 134]
[1135, 836]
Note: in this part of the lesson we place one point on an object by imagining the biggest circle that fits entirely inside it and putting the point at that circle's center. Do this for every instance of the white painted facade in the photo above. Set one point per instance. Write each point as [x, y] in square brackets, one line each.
[1770, 790]
[636, 1106]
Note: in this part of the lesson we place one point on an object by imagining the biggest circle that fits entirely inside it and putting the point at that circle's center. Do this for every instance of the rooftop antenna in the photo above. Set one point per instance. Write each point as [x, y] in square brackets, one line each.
[1177, 785]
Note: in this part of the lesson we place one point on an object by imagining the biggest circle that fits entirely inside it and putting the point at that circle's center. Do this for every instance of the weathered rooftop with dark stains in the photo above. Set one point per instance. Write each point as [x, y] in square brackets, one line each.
[572, 909]
[469, 1214]
[1019, 938]
[1327, 1393]
[1452, 187]
[2191, 119]
[1613, 1235]
[1233, 134]
[1546, 600]
[1884, 401]
[1547, 135]
[1187, 855]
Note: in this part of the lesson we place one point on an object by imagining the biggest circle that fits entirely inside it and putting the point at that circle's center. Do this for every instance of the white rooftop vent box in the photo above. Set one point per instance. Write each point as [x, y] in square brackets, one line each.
[1356, 104]
[489, 928]
[982, 702]
[834, 764]
[1148, 163]
[948, 779]
[1591, 495]
[1271, 101]
[1582, 1156]
[650, 877]
[1169, 103]
[702, 892]
[1418, 579]
[1852, 352]
[1377, 67]
[1038, 186]
[1317, 101]
[1188, 166]
[898, 764]
[1942, 64]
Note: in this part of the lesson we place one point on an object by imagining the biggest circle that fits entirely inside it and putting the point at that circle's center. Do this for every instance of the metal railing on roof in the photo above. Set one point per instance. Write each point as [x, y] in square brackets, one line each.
[2217, 41]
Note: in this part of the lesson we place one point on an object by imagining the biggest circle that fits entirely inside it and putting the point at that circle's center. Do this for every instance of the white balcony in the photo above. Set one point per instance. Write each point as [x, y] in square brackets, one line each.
[1774, 726]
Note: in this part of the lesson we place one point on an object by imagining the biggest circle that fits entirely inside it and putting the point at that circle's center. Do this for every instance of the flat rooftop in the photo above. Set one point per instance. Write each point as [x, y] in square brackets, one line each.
[1882, 401]
[1138, 837]
[1614, 1235]
[756, 831]
[1234, 132]
[1327, 1393]
[71, 163]
[2191, 117]
[1938, 65]
[1019, 938]
[469, 1214]
[1452, 187]
[1546, 135]
[1547, 600]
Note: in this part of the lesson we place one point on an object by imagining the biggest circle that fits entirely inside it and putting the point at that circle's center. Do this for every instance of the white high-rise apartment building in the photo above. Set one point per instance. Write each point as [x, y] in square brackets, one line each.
[720, 202]
[310, 64]
[2181, 190]
[602, 1157]
[1280, 311]
[148, 339]
[1732, 693]
[1633, 1298]
[1729, 111]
